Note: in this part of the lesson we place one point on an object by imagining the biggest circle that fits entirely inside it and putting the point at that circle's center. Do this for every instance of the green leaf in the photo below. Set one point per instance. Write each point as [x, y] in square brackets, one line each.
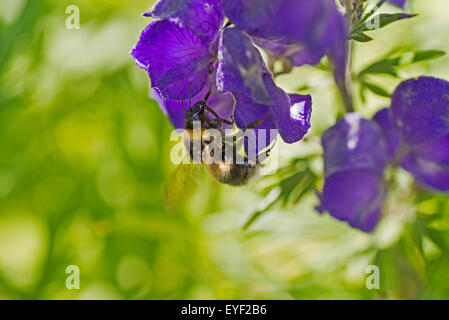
[386, 18]
[378, 22]
[361, 37]
[387, 66]
[424, 55]
[293, 182]
[362, 94]
[376, 89]
[268, 202]
[367, 14]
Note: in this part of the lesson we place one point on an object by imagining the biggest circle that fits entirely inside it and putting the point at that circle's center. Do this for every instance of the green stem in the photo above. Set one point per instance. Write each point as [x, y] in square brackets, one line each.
[345, 87]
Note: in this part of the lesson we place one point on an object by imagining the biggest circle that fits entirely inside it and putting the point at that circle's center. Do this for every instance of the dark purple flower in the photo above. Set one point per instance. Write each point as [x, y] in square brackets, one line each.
[399, 3]
[420, 112]
[431, 174]
[420, 109]
[204, 17]
[291, 25]
[385, 121]
[355, 156]
[242, 71]
[181, 49]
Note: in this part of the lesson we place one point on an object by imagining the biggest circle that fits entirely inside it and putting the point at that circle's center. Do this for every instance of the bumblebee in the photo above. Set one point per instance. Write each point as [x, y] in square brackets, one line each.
[226, 170]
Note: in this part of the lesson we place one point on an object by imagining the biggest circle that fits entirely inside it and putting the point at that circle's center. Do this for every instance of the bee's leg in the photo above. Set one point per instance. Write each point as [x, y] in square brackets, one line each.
[208, 94]
[229, 122]
[252, 125]
[218, 117]
[255, 124]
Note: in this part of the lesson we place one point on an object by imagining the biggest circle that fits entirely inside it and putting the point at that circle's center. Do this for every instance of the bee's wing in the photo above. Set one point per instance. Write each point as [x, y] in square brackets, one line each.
[181, 185]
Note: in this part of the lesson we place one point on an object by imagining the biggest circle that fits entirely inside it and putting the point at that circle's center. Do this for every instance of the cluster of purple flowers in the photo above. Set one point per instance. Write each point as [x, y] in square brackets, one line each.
[194, 46]
[190, 46]
[412, 133]
[189, 49]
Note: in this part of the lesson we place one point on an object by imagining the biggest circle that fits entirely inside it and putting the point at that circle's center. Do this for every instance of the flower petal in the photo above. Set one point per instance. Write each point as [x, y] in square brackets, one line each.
[399, 3]
[221, 102]
[242, 72]
[241, 67]
[429, 163]
[172, 109]
[247, 112]
[355, 196]
[204, 17]
[355, 156]
[174, 58]
[354, 143]
[420, 109]
[301, 109]
[255, 17]
[385, 121]
[317, 24]
[428, 173]
[436, 150]
[296, 54]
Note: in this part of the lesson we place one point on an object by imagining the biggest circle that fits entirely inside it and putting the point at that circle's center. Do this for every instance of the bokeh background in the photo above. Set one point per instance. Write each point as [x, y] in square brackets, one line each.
[84, 157]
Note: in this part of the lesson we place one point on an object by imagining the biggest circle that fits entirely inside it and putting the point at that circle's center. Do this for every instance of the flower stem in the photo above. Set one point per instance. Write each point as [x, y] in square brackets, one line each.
[345, 87]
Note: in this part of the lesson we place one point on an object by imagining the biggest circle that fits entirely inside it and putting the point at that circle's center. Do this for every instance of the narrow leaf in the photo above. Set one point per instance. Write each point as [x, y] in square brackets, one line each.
[361, 37]
[376, 89]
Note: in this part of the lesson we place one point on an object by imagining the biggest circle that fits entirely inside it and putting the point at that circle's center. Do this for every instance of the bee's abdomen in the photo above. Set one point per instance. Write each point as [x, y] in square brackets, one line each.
[233, 174]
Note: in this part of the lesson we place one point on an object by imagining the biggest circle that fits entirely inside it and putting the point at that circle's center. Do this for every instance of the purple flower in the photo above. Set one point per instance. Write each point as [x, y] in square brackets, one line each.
[420, 109]
[243, 72]
[399, 3]
[285, 27]
[355, 156]
[204, 17]
[385, 122]
[183, 48]
[420, 116]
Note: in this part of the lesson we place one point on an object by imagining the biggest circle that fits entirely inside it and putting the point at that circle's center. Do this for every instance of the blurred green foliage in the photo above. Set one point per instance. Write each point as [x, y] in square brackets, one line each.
[84, 155]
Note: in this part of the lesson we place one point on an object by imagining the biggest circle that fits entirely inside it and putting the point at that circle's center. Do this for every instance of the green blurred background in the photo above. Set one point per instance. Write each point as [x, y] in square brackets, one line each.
[84, 155]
